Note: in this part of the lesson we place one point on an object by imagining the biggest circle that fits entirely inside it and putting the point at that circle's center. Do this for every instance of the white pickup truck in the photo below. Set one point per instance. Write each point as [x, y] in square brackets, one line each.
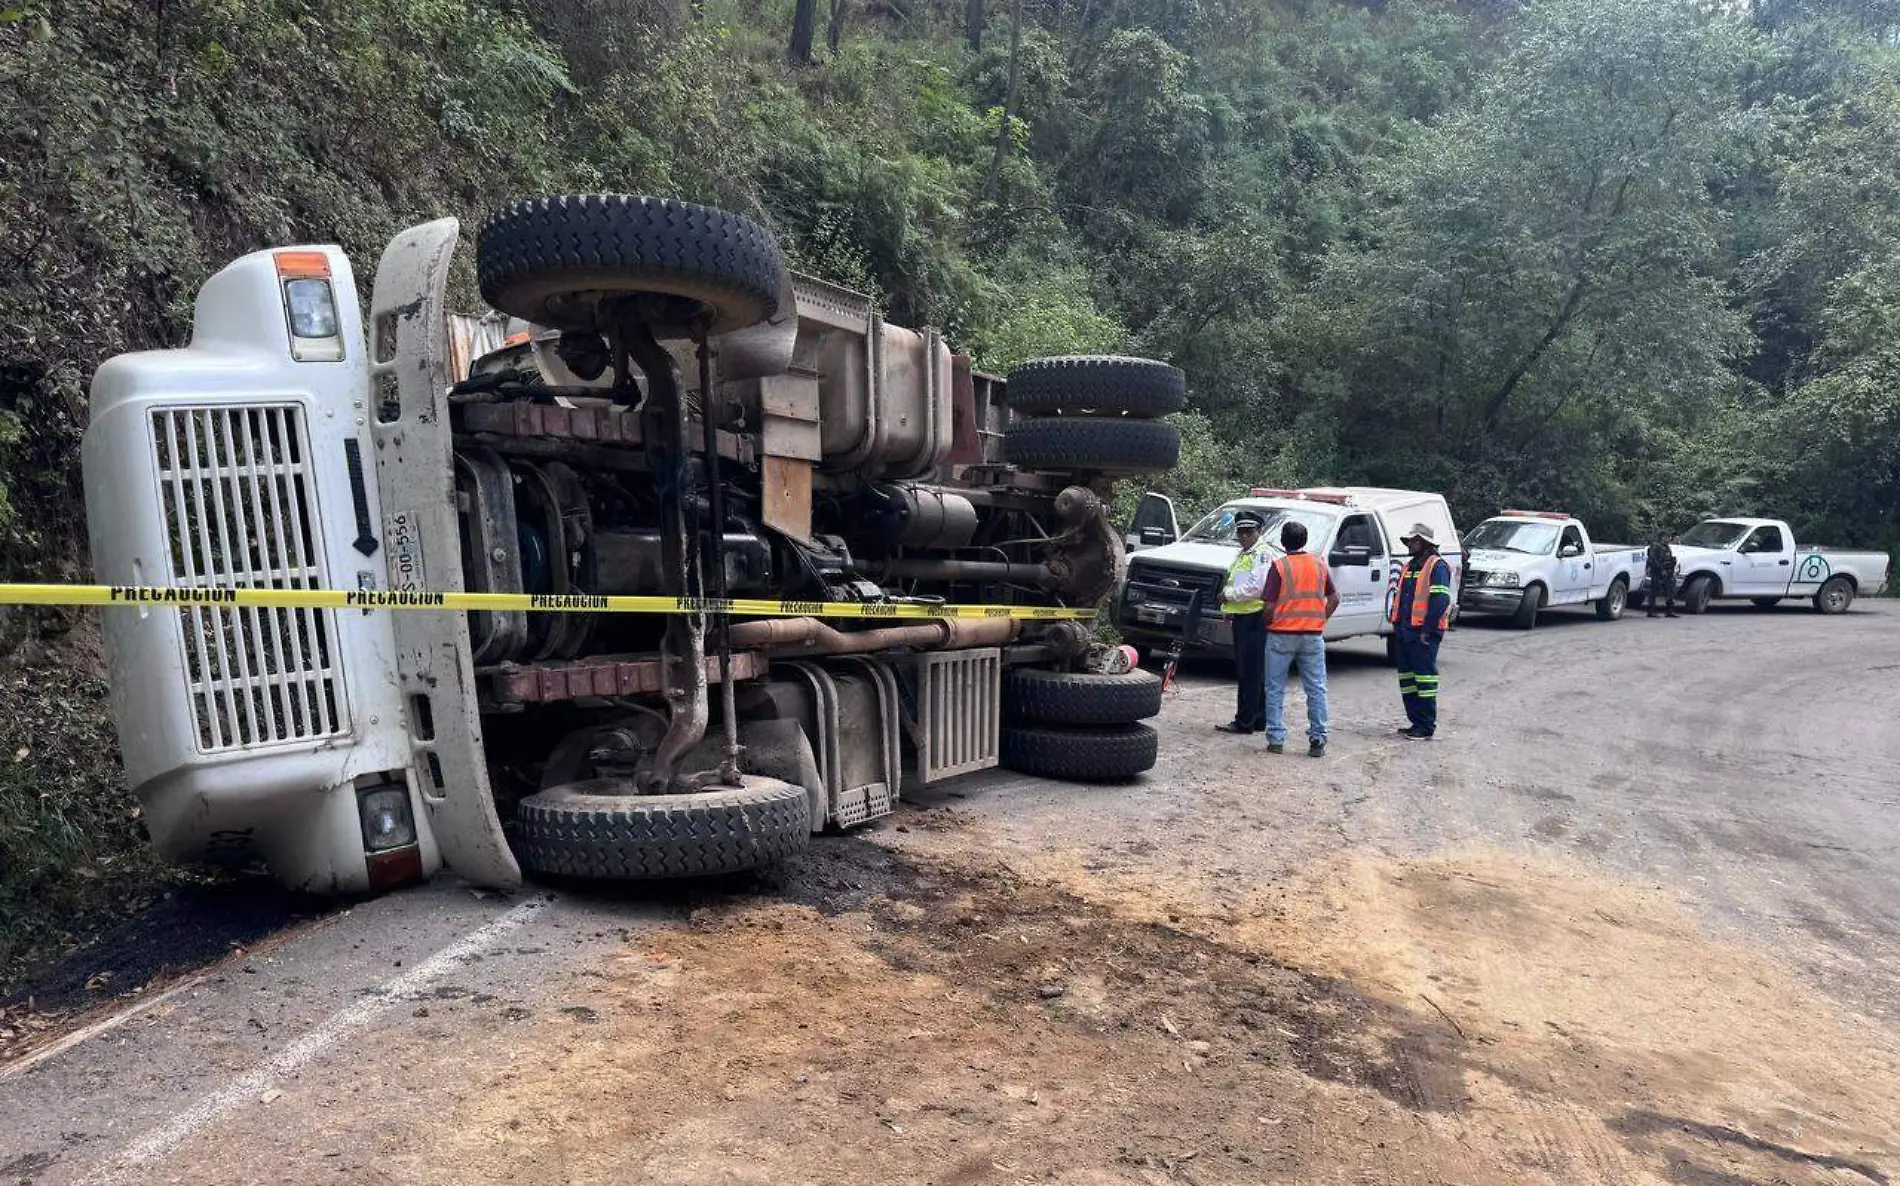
[1757, 560]
[1519, 563]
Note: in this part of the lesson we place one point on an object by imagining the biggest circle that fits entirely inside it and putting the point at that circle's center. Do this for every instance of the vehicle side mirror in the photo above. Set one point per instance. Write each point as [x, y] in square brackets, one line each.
[1155, 523]
[1568, 551]
[1352, 556]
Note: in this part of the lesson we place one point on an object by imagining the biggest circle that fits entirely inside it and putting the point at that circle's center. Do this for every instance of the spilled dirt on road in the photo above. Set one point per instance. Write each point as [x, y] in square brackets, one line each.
[933, 1017]
[973, 1026]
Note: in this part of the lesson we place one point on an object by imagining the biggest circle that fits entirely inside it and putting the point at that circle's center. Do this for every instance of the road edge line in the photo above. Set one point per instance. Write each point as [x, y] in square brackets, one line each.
[247, 1087]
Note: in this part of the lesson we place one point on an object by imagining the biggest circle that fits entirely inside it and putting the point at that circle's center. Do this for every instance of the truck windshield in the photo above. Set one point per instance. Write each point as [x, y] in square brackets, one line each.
[1217, 527]
[1513, 535]
[1716, 533]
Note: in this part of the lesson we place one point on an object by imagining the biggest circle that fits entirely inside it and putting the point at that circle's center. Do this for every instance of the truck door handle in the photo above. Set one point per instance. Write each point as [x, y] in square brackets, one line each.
[1376, 575]
[1586, 566]
[1784, 564]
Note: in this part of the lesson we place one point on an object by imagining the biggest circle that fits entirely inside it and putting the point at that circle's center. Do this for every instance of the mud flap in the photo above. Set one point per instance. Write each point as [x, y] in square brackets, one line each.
[415, 470]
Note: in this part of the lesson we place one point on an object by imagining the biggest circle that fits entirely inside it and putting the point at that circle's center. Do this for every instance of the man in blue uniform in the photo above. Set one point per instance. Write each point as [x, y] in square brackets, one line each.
[1420, 613]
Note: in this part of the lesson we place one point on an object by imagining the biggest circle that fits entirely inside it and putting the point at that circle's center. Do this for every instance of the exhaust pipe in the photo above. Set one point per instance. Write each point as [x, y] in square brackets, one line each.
[941, 634]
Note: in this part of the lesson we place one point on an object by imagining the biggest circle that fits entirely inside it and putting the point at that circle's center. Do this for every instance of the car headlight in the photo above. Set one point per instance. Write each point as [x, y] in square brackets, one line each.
[1507, 580]
[387, 821]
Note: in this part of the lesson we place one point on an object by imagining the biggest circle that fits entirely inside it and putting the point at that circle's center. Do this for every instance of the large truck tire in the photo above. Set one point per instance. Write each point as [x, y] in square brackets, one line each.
[1080, 698]
[1117, 445]
[575, 830]
[1101, 384]
[551, 260]
[1105, 753]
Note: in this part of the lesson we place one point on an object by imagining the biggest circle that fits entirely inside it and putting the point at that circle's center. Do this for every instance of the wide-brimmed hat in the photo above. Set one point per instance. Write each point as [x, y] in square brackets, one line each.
[1420, 531]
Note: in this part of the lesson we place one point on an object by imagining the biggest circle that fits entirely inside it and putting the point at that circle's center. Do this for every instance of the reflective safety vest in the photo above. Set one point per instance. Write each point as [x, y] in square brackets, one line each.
[1301, 608]
[1422, 590]
[1244, 563]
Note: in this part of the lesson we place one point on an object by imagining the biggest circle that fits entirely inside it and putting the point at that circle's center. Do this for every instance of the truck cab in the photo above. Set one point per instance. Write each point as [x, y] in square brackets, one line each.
[1523, 562]
[1172, 597]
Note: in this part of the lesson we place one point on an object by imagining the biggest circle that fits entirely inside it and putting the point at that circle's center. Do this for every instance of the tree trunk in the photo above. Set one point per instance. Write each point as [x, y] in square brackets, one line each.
[1560, 321]
[1009, 96]
[834, 30]
[973, 25]
[803, 18]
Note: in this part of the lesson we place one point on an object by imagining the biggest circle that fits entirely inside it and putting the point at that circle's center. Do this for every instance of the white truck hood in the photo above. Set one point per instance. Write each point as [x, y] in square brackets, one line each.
[1685, 554]
[1189, 553]
[1490, 559]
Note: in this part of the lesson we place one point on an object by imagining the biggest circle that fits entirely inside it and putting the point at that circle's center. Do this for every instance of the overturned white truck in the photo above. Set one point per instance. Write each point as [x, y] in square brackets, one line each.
[678, 415]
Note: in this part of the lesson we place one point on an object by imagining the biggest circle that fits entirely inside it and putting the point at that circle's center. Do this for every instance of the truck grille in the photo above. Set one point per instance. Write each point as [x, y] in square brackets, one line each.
[240, 513]
[1207, 580]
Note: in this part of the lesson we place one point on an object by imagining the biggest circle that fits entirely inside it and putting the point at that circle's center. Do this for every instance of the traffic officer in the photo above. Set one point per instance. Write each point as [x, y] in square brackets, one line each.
[1299, 596]
[1240, 601]
[1659, 569]
[1420, 613]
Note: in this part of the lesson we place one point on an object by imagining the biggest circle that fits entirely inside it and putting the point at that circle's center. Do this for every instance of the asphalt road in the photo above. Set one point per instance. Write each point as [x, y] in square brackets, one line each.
[1645, 879]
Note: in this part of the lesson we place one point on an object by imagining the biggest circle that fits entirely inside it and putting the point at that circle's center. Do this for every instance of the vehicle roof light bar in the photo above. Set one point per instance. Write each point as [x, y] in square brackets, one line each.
[1333, 497]
[1538, 514]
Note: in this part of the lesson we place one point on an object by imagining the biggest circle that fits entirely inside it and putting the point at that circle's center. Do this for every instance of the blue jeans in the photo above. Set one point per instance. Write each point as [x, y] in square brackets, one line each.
[1283, 651]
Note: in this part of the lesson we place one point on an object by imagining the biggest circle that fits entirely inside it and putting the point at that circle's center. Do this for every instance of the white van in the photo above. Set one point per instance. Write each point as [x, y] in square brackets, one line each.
[1172, 593]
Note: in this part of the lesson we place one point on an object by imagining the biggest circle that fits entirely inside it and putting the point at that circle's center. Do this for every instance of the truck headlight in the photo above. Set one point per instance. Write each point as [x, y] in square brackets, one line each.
[387, 819]
[1507, 580]
[310, 309]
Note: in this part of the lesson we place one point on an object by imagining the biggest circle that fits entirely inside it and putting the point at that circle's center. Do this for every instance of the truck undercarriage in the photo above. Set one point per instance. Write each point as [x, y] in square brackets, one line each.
[669, 412]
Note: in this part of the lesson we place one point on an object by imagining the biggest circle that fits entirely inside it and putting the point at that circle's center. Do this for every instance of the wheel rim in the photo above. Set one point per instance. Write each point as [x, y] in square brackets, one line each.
[1617, 597]
[1837, 599]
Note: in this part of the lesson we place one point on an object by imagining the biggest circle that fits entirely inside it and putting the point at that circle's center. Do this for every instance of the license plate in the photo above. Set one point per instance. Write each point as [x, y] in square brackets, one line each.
[1150, 613]
[403, 533]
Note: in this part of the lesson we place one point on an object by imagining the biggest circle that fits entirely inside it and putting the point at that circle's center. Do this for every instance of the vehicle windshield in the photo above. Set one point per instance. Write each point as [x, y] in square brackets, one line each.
[1217, 527]
[1514, 535]
[1716, 533]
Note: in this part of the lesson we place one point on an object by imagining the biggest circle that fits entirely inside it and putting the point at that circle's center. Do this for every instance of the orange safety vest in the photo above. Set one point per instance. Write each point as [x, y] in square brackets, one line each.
[1301, 608]
[1422, 595]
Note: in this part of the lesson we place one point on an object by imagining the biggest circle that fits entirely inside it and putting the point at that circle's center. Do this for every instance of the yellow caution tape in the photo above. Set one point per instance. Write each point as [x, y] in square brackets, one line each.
[366, 599]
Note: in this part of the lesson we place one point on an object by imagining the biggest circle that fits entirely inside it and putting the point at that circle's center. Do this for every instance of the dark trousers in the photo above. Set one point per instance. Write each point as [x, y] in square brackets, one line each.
[1418, 679]
[1661, 588]
[1250, 660]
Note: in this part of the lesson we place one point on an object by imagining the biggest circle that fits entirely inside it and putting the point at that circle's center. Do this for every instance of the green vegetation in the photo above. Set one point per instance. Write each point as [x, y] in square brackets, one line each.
[72, 853]
[1640, 258]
